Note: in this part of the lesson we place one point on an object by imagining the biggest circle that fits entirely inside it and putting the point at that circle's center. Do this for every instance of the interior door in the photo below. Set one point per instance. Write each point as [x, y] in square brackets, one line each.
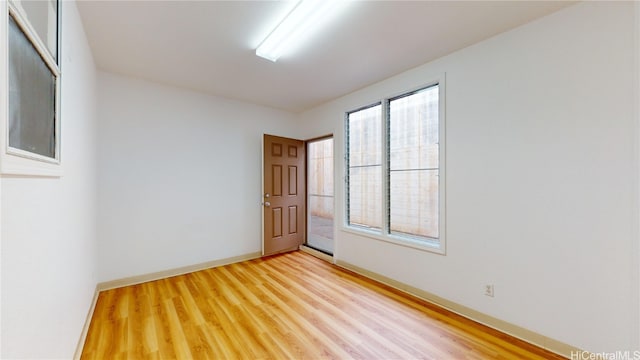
[284, 194]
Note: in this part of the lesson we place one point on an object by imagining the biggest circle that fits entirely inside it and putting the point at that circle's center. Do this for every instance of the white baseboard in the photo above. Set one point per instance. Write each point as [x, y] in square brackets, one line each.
[518, 332]
[133, 280]
[85, 328]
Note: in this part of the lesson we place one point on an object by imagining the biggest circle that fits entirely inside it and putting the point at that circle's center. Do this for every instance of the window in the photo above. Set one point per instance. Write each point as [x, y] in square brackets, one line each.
[401, 198]
[365, 167]
[31, 125]
[414, 164]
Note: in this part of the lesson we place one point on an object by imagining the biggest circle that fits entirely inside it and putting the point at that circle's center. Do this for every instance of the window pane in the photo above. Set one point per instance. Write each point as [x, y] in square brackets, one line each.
[365, 195]
[413, 131]
[414, 164]
[364, 150]
[414, 203]
[365, 130]
[320, 164]
[32, 88]
[43, 17]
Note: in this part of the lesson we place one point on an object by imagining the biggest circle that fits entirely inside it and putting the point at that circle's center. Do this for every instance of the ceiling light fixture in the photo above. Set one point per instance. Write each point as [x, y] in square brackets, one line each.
[304, 16]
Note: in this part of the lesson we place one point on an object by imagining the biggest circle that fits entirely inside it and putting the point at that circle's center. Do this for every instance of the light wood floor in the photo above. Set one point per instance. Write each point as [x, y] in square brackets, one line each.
[285, 306]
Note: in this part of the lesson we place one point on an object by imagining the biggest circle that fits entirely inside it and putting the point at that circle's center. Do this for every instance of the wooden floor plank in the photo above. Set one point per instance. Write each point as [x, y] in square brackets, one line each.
[289, 306]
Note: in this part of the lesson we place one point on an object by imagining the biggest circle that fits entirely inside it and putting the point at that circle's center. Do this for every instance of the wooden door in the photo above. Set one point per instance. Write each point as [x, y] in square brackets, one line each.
[284, 194]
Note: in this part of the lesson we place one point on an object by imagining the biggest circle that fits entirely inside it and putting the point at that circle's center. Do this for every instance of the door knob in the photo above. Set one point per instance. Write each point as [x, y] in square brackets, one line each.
[267, 204]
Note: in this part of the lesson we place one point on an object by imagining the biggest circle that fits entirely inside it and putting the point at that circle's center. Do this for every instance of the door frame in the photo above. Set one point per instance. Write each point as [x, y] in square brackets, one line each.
[311, 250]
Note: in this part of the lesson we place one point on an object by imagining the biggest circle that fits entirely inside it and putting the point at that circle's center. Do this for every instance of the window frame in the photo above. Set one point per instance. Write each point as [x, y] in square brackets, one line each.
[15, 161]
[384, 234]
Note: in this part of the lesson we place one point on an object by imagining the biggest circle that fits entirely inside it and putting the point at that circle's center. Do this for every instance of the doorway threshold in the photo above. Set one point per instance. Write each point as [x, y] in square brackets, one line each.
[317, 253]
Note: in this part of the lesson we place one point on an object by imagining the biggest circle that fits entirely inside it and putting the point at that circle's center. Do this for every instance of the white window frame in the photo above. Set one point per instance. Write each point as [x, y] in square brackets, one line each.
[435, 246]
[15, 161]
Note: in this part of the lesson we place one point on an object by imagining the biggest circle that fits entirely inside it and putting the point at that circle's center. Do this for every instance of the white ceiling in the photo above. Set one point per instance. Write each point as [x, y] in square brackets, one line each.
[208, 46]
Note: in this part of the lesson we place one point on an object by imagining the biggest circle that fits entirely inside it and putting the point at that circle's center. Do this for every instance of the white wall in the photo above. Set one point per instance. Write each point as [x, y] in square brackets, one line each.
[542, 178]
[48, 224]
[179, 176]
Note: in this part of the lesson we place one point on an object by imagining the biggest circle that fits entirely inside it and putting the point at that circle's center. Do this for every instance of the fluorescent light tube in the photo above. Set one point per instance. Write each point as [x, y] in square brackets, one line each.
[304, 16]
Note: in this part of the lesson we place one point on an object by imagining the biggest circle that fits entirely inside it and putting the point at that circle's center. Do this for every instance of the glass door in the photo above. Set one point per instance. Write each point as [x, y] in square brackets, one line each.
[320, 195]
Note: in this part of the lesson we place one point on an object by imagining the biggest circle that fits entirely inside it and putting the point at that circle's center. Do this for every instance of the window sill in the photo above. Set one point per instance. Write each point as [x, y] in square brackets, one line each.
[436, 248]
[11, 164]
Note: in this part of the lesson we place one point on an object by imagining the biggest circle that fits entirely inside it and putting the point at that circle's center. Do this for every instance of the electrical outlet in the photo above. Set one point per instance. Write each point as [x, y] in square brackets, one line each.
[488, 290]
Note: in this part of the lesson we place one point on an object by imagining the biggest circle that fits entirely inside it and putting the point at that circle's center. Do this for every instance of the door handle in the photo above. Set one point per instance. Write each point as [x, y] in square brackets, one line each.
[267, 204]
